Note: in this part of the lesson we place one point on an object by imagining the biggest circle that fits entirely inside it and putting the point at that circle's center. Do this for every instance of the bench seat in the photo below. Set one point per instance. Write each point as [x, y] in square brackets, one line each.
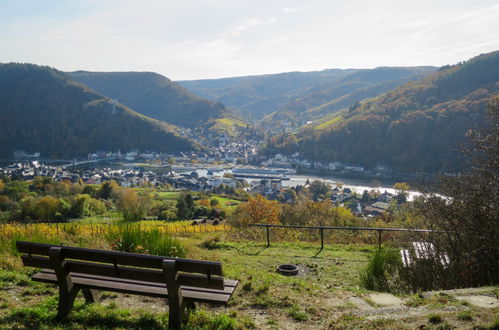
[194, 294]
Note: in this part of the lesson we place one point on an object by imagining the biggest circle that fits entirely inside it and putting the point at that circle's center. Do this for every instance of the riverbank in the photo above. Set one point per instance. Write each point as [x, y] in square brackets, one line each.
[375, 179]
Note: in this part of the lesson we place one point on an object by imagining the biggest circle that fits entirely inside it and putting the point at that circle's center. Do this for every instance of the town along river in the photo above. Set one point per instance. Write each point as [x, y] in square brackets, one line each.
[357, 185]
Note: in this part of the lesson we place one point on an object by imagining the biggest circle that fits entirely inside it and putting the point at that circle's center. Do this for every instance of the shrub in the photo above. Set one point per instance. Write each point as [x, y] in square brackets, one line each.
[381, 271]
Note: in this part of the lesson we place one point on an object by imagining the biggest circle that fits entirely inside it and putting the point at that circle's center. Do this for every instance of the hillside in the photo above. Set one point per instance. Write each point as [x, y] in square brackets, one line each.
[152, 95]
[325, 98]
[42, 109]
[417, 127]
[289, 94]
[256, 96]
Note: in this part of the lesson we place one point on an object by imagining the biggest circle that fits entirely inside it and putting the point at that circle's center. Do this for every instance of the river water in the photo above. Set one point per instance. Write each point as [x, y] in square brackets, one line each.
[356, 185]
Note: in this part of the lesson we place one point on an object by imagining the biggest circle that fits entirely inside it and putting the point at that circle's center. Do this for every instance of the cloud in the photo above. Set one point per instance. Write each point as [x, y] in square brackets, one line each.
[206, 38]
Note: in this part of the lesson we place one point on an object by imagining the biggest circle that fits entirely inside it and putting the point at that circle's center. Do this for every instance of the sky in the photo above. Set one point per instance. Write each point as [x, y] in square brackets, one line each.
[187, 39]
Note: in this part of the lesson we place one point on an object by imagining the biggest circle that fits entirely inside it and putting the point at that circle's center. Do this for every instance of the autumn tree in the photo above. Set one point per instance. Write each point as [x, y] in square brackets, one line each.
[1, 185]
[402, 189]
[107, 189]
[132, 206]
[46, 208]
[257, 210]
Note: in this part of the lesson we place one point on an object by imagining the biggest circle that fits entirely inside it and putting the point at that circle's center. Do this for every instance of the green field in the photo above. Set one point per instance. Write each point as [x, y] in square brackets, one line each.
[325, 294]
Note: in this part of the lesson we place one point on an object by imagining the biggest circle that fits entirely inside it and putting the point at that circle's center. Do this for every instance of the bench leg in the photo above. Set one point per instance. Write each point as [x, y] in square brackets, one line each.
[66, 301]
[91, 295]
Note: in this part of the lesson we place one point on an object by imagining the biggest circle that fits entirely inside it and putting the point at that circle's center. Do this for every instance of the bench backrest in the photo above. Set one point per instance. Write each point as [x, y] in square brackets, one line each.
[196, 273]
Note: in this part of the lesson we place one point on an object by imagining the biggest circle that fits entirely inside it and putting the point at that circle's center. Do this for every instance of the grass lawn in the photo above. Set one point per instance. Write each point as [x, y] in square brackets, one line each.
[325, 294]
[225, 202]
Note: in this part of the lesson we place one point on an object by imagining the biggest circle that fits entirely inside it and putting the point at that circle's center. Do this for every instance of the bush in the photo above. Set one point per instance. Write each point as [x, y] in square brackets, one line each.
[131, 238]
[381, 271]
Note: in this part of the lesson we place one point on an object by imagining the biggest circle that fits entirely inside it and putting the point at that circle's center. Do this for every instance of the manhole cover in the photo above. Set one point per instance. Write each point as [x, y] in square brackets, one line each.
[288, 270]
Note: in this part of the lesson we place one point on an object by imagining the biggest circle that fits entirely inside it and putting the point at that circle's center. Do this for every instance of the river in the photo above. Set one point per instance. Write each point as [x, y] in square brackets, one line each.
[357, 185]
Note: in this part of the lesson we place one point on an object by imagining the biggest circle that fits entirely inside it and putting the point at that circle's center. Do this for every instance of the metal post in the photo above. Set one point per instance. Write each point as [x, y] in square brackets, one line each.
[379, 239]
[268, 236]
[322, 238]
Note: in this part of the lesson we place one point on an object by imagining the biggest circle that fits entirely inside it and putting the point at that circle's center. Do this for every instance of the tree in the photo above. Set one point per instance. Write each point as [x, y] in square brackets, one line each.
[106, 189]
[319, 189]
[257, 210]
[46, 208]
[132, 206]
[468, 215]
[1, 185]
[402, 189]
[16, 189]
[321, 213]
[365, 197]
[214, 202]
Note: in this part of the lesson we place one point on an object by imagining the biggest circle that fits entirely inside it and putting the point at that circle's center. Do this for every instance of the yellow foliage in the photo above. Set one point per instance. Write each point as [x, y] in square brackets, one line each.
[259, 210]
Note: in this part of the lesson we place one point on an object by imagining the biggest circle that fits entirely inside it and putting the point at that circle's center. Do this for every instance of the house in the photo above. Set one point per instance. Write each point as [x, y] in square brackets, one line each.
[376, 209]
[356, 209]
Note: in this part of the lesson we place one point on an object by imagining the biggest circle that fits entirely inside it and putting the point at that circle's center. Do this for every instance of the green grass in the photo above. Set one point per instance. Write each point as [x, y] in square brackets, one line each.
[466, 315]
[297, 314]
[317, 299]
[227, 203]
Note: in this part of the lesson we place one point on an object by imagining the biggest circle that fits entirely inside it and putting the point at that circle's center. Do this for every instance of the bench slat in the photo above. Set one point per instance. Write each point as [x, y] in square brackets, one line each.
[131, 288]
[229, 285]
[147, 275]
[122, 258]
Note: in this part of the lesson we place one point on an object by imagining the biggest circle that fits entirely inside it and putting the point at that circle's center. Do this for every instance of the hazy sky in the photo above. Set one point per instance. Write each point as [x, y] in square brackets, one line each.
[187, 39]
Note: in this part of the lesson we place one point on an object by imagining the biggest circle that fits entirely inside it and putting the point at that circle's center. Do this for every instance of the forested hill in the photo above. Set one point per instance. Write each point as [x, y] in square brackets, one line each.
[416, 127]
[153, 95]
[256, 96]
[332, 96]
[42, 109]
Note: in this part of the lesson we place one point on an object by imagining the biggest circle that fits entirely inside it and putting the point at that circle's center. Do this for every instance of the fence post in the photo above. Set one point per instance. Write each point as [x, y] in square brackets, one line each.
[379, 239]
[268, 236]
[322, 238]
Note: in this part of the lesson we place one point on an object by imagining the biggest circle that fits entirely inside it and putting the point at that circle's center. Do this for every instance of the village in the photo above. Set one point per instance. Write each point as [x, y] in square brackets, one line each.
[366, 204]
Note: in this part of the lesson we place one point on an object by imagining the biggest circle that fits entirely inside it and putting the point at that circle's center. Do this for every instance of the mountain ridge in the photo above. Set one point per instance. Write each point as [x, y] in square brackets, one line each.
[416, 127]
[43, 109]
[153, 95]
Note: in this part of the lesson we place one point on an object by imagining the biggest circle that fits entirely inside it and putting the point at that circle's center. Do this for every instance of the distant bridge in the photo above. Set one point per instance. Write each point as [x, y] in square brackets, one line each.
[74, 163]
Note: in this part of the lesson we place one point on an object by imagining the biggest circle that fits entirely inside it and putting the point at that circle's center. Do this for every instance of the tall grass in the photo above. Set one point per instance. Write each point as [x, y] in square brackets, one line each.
[133, 238]
[380, 274]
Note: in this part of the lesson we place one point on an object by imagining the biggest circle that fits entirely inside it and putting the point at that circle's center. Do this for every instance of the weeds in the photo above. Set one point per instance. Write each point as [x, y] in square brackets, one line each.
[465, 316]
[435, 319]
[297, 314]
[380, 270]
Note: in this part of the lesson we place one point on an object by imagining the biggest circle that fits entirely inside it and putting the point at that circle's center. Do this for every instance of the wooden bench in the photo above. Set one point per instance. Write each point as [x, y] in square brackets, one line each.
[183, 282]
